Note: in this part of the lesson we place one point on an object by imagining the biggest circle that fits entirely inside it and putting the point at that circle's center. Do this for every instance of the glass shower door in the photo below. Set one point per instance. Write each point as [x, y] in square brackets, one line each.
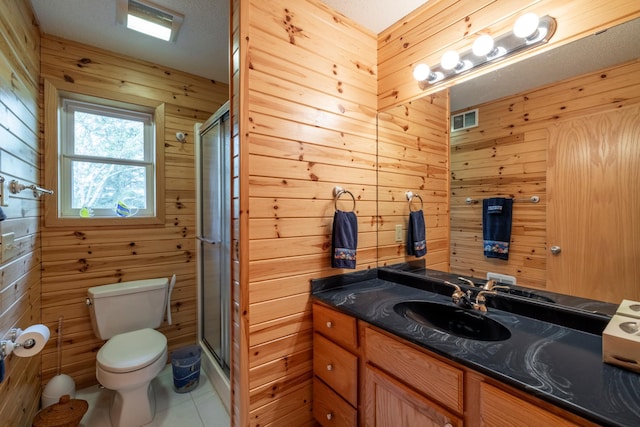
[214, 237]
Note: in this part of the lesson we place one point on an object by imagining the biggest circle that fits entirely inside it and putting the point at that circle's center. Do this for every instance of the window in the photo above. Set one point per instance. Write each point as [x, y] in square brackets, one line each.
[464, 120]
[105, 160]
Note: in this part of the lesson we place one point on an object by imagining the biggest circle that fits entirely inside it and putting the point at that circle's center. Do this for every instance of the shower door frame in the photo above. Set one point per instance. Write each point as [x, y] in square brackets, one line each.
[211, 366]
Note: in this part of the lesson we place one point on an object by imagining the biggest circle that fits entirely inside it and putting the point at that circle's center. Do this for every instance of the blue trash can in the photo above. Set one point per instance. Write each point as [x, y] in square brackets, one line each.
[186, 368]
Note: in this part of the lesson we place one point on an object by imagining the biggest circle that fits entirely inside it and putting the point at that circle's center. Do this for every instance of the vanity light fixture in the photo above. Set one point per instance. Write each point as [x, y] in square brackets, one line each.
[451, 61]
[526, 26]
[423, 72]
[529, 31]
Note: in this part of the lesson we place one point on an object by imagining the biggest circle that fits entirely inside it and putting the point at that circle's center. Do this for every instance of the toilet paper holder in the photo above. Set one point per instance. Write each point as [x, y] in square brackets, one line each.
[8, 346]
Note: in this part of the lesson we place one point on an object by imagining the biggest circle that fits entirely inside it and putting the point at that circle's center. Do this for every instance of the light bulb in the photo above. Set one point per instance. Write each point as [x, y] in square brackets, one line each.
[450, 60]
[526, 25]
[483, 45]
[421, 72]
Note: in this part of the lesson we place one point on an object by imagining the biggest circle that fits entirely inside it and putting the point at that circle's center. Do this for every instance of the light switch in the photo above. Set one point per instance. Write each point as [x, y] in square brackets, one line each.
[399, 233]
[9, 248]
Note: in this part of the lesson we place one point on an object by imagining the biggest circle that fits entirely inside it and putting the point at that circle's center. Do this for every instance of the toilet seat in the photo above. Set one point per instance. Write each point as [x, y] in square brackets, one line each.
[132, 351]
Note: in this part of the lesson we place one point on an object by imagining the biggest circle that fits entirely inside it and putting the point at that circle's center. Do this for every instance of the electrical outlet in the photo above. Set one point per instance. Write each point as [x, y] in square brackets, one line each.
[399, 233]
[9, 248]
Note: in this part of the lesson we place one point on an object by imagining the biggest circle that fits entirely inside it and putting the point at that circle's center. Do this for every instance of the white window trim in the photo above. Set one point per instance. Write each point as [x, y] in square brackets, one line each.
[69, 105]
[53, 91]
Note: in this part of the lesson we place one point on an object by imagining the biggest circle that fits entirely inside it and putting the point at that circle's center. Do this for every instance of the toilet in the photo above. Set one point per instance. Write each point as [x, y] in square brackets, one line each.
[126, 314]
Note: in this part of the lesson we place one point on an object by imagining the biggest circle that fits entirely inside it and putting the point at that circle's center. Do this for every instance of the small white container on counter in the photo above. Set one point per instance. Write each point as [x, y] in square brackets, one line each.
[629, 308]
[621, 340]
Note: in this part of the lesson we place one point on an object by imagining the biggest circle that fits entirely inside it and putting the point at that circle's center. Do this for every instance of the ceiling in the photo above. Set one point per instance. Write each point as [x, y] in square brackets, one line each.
[202, 45]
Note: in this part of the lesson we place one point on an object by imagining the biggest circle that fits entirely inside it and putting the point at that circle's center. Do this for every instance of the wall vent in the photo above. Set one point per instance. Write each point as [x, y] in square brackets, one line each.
[466, 120]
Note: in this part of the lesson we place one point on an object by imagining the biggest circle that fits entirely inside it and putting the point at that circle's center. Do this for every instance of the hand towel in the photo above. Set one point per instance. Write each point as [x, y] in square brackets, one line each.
[496, 227]
[416, 239]
[344, 240]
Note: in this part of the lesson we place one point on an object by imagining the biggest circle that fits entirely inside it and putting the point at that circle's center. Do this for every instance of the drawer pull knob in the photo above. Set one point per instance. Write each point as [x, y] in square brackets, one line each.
[329, 416]
[329, 324]
[329, 367]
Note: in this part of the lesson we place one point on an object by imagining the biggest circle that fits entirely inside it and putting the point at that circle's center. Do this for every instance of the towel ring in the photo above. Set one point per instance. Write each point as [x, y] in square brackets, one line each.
[339, 191]
[410, 197]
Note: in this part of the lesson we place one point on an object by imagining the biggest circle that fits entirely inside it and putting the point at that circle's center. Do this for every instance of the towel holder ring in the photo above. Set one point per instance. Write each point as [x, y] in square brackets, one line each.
[410, 196]
[339, 191]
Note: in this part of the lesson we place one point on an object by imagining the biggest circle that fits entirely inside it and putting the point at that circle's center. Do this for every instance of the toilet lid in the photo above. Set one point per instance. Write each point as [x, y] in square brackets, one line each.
[131, 351]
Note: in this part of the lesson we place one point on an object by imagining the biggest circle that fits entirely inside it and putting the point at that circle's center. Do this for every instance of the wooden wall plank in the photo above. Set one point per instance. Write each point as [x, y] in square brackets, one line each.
[414, 140]
[307, 123]
[20, 279]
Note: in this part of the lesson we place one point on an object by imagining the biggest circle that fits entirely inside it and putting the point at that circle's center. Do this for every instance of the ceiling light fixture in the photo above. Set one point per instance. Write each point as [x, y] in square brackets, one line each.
[149, 18]
[529, 31]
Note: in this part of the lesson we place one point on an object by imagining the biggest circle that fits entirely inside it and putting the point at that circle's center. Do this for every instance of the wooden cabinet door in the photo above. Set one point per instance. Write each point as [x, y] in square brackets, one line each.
[593, 212]
[389, 403]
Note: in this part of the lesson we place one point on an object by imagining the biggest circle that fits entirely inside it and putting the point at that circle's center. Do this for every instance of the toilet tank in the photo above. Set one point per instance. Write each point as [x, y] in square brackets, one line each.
[127, 306]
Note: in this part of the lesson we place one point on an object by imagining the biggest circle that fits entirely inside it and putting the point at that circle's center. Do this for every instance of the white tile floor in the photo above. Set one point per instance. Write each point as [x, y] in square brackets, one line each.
[199, 408]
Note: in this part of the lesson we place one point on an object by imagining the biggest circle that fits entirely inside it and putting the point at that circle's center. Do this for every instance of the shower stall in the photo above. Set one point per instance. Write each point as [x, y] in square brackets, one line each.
[213, 168]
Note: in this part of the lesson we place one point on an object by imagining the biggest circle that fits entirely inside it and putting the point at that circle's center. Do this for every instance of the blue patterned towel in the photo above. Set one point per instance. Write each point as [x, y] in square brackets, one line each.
[344, 240]
[496, 226]
[416, 238]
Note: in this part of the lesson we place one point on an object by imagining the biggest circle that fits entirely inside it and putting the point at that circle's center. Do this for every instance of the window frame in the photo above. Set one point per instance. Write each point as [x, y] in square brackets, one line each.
[54, 95]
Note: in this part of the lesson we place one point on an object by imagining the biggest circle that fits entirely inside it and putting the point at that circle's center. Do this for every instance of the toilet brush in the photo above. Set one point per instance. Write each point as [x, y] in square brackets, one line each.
[60, 384]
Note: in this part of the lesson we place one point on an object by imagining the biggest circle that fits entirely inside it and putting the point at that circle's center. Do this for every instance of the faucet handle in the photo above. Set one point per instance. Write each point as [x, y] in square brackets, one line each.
[458, 294]
[493, 284]
[481, 300]
[469, 282]
[457, 288]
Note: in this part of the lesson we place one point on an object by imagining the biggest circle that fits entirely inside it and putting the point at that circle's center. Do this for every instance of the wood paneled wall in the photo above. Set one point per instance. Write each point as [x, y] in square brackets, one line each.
[506, 156]
[413, 155]
[425, 34]
[76, 258]
[20, 284]
[304, 104]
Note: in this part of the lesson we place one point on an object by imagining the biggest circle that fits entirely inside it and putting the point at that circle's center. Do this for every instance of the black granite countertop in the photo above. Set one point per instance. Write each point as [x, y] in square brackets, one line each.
[559, 364]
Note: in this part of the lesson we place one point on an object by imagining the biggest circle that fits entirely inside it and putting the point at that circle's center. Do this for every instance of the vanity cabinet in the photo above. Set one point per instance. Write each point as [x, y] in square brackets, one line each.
[365, 376]
[406, 387]
[335, 367]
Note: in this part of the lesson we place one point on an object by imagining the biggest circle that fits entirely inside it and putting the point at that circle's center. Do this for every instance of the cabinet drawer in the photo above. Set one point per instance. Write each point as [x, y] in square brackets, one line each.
[336, 367]
[499, 408]
[329, 409]
[429, 376]
[336, 326]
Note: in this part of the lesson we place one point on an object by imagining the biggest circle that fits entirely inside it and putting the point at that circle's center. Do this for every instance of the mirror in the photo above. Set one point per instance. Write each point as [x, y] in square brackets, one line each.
[507, 156]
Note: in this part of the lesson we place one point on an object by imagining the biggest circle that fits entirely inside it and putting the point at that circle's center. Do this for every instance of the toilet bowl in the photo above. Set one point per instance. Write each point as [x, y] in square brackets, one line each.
[127, 364]
[126, 315]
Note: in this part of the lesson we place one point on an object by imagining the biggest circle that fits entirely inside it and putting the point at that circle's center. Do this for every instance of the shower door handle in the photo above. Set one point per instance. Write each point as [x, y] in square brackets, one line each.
[211, 242]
